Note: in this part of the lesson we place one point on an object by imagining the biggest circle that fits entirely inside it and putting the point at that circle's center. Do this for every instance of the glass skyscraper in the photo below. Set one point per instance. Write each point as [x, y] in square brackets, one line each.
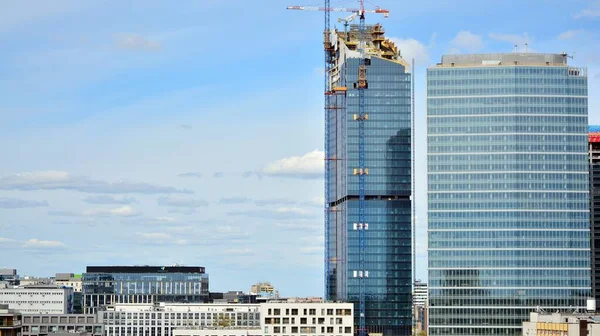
[388, 269]
[507, 189]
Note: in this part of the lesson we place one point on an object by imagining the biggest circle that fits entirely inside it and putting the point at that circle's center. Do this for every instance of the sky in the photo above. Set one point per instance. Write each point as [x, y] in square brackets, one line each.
[191, 132]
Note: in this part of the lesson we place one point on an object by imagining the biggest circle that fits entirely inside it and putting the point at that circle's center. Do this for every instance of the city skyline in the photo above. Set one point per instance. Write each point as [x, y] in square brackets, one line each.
[214, 122]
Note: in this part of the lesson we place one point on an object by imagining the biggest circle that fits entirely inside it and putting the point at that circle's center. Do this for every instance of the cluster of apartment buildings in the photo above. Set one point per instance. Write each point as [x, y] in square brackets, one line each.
[159, 301]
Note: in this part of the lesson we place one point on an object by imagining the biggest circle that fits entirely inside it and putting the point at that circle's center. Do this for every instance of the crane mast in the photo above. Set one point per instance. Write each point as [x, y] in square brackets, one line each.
[363, 171]
[332, 105]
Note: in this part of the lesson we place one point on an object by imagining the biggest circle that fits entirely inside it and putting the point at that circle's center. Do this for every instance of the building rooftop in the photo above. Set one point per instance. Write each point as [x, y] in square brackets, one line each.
[183, 307]
[497, 59]
[145, 269]
[594, 133]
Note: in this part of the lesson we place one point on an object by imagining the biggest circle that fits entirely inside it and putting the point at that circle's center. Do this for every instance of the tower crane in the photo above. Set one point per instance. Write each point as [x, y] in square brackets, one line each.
[362, 171]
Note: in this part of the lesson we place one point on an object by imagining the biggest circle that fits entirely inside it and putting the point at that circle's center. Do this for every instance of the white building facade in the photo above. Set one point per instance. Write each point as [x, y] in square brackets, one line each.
[297, 318]
[161, 319]
[218, 332]
[38, 300]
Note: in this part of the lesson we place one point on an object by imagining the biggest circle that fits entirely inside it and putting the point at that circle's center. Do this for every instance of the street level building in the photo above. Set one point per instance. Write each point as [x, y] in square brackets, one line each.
[324, 318]
[562, 324]
[420, 293]
[508, 191]
[52, 324]
[10, 321]
[8, 277]
[69, 280]
[231, 331]
[387, 270]
[160, 319]
[38, 299]
[106, 285]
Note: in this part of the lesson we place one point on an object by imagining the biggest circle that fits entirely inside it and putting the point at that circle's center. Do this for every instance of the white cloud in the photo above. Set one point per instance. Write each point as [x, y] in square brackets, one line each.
[234, 200]
[312, 249]
[306, 225]
[569, 34]
[514, 39]
[411, 48]
[124, 211]
[239, 252]
[132, 41]
[290, 210]
[467, 41]
[166, 219]
[190, 174]
[309, 165]
[592, 12]
[60, 180]
[17, 203]
[160, 238]
[36, 243]
[6, 240]
[154, 235]
[181, 202]
[104, 199]
[180, 229]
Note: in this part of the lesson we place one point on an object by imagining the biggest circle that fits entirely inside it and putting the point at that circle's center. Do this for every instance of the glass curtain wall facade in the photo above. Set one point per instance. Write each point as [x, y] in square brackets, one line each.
[142, 284]
[507, 191]
[388, 190]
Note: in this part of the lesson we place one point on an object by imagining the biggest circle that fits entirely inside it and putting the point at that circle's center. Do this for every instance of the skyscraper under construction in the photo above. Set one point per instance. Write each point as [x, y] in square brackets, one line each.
[384, 271]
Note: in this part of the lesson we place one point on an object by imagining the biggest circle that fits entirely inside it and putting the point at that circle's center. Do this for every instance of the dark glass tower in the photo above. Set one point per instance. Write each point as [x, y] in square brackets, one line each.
[508, 191]
[388, 271]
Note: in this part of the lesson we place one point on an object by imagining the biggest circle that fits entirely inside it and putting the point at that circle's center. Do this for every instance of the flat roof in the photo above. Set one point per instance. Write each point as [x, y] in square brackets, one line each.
[145, 269]
[503, 59]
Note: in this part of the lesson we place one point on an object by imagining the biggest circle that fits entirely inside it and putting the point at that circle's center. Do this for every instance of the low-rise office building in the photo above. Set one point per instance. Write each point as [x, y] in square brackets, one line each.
[10, 321]
[161, 319]
[8, 277]
[107, 285]
[38, 299]
[69, 280]
[218, 332]
[42, 325]
[561, 324]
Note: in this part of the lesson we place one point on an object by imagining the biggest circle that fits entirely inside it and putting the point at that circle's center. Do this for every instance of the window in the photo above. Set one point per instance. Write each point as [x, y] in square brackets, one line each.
[303, 320]
[312, 312]
[294, 311]
[276, 311]
[347, 330]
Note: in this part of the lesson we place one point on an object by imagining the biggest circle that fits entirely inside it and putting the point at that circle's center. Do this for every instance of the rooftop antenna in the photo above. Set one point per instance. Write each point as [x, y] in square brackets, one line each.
[515, 48]
[526, 45]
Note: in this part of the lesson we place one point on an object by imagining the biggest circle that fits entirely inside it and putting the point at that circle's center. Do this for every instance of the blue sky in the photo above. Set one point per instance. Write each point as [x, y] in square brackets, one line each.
[149, 132]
